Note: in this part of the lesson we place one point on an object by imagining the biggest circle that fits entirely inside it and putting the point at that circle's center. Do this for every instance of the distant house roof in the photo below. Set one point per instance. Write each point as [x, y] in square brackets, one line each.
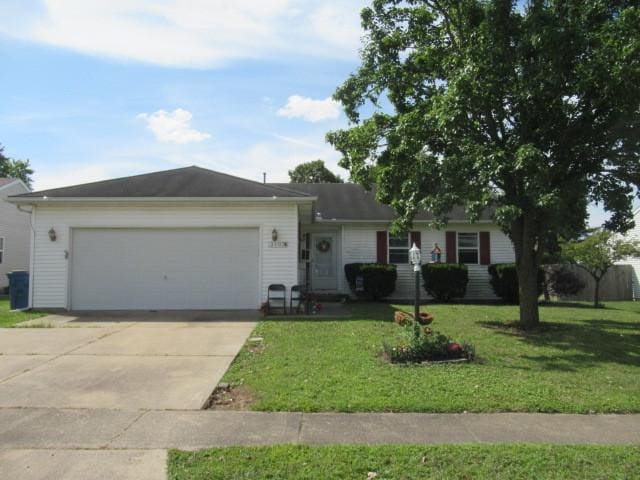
[348, 201]
[6, 181]
[189, 182]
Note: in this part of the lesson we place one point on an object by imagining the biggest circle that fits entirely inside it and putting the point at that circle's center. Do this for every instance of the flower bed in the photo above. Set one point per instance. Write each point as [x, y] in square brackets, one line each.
[422, 345]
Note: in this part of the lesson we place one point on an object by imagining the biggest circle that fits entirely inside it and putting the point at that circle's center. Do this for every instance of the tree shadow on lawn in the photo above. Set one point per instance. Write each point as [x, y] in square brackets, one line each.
[580, 345]
[588, 305]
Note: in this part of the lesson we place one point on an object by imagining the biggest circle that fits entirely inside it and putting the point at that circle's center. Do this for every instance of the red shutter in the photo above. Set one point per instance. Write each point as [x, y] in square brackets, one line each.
[451, 247]
[415, 238]
[381, 246]
[485, 248]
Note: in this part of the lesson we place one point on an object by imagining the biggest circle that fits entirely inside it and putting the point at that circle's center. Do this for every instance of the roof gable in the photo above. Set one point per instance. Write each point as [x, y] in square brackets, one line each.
[188, 182]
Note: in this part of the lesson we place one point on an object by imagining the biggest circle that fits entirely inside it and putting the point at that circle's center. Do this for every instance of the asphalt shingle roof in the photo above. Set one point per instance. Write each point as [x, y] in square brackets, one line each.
[189, 182]
[6, 180]
[339, 201]
[348, 201]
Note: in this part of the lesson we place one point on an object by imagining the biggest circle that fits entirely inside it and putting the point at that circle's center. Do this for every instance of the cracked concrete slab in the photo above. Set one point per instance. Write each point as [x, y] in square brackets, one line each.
[121, 382]
[62, 428]
[171, 340]
[194, 430]
[382, 428]
[83, 464]
[554, 428]
[47, 341]
[11, 365]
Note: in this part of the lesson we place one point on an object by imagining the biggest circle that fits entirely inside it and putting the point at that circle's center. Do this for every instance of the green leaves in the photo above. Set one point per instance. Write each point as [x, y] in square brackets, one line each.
[313, 172]
[599, 251]
[532, 109]
[14, 168]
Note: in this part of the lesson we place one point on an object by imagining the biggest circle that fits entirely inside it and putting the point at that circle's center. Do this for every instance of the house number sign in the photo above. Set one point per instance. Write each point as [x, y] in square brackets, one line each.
[278, 244]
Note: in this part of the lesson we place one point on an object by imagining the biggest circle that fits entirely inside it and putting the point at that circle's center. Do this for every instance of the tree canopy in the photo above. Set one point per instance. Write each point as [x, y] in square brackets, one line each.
[531, 108]
[313, 172]
[598, 252]
[13, 168]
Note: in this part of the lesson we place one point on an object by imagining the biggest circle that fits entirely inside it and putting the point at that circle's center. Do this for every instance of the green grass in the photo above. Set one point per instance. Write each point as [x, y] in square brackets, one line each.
[9, 319]
[584, 360]
[476, 462]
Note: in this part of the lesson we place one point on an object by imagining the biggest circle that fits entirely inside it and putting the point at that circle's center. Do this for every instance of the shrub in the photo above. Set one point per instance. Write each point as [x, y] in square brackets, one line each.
[562, 281]
[504, 280]
[351, 271]
[445, 281]
[378, 280]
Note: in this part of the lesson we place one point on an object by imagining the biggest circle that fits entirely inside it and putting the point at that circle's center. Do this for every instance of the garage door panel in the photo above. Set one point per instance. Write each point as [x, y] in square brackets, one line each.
[165, 269]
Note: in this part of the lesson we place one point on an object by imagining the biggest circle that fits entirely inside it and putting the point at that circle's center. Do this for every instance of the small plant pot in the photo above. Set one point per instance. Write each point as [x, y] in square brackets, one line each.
[425, 318]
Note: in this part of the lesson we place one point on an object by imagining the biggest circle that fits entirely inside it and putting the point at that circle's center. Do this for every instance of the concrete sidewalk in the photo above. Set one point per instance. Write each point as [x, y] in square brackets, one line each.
[28, 428]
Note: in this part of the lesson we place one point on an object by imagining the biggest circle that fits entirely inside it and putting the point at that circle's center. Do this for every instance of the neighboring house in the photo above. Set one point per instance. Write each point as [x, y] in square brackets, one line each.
[192, 238]
[634, 234]
[15, 231]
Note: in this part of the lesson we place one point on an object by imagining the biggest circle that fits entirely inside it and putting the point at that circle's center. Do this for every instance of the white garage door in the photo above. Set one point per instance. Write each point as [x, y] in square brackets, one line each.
[164, 269]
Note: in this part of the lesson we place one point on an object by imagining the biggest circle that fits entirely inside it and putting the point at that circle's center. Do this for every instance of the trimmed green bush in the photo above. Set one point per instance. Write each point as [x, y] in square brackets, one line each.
[445, 281]
[378, 280]
[504, 280]
[351, 271]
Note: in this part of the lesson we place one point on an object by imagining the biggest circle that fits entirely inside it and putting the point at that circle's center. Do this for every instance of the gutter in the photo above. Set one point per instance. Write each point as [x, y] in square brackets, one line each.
[20, 200]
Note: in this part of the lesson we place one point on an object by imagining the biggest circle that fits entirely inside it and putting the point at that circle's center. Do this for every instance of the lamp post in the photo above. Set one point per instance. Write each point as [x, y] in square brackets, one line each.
[414, 257]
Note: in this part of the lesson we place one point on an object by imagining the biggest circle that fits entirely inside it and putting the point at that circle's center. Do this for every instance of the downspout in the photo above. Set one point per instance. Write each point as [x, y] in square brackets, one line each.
[32, 260]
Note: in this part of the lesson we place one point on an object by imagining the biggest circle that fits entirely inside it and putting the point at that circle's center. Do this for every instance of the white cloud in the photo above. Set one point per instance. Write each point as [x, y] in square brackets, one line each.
[276, 157]
[189, 33]
[173, 127]
[65, 175]
[309, 109]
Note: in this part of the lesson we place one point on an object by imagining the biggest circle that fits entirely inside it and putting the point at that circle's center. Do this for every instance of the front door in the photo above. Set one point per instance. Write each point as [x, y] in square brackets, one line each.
[323, 261]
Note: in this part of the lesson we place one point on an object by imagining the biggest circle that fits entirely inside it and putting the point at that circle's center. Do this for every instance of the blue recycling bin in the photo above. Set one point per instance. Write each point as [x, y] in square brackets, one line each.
[18, 290]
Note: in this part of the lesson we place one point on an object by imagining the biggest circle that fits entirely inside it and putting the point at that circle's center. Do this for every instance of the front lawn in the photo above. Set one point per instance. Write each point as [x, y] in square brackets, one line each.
[9, 319]
[479, 462]
[584, 360]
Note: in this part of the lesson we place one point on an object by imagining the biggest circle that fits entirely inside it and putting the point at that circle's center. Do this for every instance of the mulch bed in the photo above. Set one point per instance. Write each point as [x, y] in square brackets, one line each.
[229, 397]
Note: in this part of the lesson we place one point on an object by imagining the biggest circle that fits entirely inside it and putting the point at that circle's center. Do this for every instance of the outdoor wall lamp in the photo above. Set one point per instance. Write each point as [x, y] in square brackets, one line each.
[274, 234]
[52, 234]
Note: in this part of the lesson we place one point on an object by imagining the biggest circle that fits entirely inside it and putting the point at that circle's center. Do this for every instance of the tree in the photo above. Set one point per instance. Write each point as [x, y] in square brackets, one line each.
[313, 172]
[13, 168]
[532, 109]
[597, 253]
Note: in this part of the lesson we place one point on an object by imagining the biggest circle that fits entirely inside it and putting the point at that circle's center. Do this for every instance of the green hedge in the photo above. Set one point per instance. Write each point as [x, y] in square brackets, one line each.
[504, 280]
[445, 281]
[379, 280]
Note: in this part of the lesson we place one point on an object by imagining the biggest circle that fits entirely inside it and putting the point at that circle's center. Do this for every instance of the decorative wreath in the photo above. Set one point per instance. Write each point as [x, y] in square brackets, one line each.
[323, 246]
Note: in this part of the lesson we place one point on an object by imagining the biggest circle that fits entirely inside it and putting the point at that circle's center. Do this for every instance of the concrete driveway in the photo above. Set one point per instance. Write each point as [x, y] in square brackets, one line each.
[120, 360]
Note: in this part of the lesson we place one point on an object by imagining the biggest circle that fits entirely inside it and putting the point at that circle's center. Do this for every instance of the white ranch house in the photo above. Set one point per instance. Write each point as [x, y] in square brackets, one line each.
[192, 238]
[15, 231]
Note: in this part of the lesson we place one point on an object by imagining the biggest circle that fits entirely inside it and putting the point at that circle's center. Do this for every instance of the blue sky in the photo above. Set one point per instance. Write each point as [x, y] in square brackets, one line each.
[101, 89]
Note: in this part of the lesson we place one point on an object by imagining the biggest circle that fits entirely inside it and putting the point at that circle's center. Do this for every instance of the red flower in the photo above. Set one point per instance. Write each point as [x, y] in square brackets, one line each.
[454, 348]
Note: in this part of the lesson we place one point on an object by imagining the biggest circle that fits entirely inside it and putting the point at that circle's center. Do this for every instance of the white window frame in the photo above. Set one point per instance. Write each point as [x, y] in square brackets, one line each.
[389, 248]
[468, 249]
[2, 248]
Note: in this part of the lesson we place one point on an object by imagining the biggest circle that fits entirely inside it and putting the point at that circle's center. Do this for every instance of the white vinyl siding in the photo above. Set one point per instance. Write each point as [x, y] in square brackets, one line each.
[634, 234]
[16, 230]
[360, 246]
[51, 278]
[1, 249]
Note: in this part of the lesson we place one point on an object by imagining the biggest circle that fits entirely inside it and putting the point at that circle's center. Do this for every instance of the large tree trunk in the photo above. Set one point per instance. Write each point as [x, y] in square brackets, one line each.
[596, 294]
[525, 237]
